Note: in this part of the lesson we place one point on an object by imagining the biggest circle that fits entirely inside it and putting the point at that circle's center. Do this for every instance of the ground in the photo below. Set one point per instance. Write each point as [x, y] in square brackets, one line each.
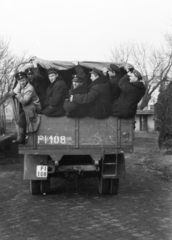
[155, 160]
[140, 211]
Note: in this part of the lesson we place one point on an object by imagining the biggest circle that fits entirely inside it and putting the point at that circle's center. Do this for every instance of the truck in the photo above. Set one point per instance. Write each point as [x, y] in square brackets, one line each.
[76, 148]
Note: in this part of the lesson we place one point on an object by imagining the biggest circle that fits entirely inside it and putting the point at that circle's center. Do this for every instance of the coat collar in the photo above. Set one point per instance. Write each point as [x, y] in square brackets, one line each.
[57, 79]
[99, 80]
[138, 84]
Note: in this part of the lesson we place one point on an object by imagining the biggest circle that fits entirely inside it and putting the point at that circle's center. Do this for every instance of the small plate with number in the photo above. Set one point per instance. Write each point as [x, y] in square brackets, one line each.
[41, 171]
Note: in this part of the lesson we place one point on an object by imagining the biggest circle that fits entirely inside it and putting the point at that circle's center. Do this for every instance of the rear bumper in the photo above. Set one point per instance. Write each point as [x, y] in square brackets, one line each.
[95, 153]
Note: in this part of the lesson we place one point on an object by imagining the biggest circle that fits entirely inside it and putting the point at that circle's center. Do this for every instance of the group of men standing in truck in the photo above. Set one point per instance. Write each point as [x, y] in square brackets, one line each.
[113, 91]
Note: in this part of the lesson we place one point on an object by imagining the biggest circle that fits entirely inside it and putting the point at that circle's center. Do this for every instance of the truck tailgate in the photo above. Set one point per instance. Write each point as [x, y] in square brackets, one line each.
[86, 133]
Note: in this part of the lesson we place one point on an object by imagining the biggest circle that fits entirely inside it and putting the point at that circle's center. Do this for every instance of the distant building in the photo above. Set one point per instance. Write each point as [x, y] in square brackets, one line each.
[145, 121]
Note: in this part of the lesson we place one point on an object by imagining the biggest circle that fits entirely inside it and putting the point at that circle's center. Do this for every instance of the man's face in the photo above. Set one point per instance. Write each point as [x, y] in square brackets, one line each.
[111, 73]
[23, 81]
[30, 77]
[132, 77]
[93, 77]
[129, 73]
[105, 71]
[52, 77]
[76, 84]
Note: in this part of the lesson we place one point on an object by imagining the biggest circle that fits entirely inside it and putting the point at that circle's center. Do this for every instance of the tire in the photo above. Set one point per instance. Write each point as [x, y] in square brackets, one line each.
[35, 187]
[114, 186]
[108, 186]
[104, 186]
[45, 186]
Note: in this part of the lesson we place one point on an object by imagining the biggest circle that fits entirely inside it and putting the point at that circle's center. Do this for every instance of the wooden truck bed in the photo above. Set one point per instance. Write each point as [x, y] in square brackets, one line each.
[80, 135]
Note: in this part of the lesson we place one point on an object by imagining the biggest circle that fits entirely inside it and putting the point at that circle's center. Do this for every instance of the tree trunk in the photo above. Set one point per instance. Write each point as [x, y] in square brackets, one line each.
[145, 101]
[2, 120]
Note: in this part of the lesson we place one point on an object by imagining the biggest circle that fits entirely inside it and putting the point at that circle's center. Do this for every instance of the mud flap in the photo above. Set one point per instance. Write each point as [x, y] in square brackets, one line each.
[30, 166]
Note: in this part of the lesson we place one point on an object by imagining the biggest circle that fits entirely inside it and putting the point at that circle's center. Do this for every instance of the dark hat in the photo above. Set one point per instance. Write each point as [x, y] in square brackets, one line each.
[130, 67]
[96, 71]
[126, 65]
[77, 78]
[52, 70]
[137, 74]
[20, 75]
[113, 68]
[29, 71]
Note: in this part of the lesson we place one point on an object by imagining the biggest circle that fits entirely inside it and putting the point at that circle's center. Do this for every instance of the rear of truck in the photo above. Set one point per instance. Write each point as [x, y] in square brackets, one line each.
[75, 149]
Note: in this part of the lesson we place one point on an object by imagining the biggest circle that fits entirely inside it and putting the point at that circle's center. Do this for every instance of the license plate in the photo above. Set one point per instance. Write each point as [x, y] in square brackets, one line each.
[41, 171]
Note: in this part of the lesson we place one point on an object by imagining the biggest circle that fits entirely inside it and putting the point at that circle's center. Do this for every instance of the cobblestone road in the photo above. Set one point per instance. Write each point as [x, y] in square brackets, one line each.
[141, 210]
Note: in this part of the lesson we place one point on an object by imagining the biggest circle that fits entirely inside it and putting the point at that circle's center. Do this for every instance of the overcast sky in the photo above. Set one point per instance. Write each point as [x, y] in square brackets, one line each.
[82, 29]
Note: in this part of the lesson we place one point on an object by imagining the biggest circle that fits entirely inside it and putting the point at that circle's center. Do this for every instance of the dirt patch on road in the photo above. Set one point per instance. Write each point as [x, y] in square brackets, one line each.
[10, 160]
[160, 162]
[147, 152]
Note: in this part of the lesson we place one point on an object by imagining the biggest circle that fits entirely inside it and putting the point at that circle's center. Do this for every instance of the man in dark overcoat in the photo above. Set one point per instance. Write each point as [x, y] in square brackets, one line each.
[115, 74]
[38, 82]
[98, 96]
[55, 95]
[132, 90]
[79, 86]
[80, 72]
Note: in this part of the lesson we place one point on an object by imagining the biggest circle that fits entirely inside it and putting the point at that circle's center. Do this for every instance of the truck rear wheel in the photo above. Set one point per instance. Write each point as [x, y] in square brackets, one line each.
[35, 187]
[103, 186]
[108, 186]
[114, 185]
[45, 186]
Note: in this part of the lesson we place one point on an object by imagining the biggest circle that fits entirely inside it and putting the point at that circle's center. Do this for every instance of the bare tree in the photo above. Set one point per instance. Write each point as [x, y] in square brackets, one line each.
[155, 65]
[8, 65]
